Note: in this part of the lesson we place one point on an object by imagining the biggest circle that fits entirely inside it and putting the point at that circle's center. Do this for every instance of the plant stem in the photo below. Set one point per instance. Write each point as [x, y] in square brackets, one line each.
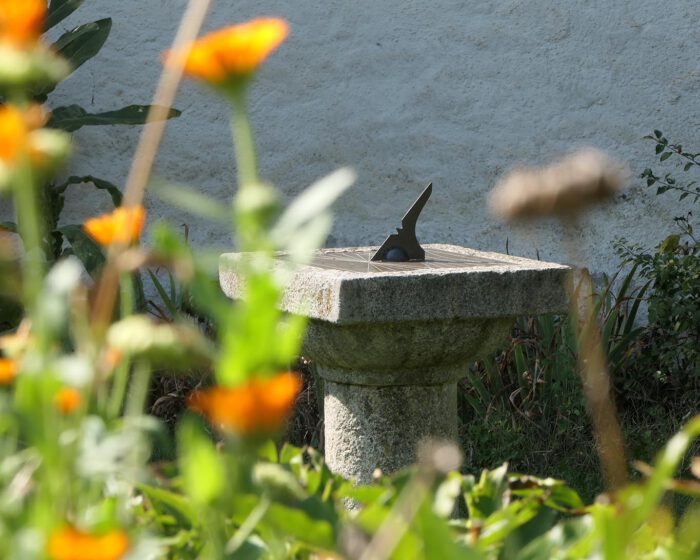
[30, 226]
[243, 140]
[138, 391]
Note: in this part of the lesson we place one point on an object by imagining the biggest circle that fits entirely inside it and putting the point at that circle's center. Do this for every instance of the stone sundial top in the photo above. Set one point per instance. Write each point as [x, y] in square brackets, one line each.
[359, 260]
[343, 286]
[402, 281]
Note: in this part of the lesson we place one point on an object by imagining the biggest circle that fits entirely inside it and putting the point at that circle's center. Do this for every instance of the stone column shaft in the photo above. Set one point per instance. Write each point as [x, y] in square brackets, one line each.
[368, 427]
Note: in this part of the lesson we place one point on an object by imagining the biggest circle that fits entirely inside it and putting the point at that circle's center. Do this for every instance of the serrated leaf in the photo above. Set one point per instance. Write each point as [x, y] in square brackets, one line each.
[59, 10]
[73, 117]
[114, 192]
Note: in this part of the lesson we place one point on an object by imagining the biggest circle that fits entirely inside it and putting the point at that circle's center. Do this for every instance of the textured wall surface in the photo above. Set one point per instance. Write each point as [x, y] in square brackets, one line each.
[451, 91]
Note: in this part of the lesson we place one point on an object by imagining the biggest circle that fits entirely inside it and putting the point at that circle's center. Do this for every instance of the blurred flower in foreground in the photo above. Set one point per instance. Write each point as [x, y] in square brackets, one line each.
[260, 406]
[16, 126]
[8, 371]
[234, 52]
[122, 226]
[24, 59]
[21, 21]
[71, 544]
[562, 188]
[21, 135]
[67, 400]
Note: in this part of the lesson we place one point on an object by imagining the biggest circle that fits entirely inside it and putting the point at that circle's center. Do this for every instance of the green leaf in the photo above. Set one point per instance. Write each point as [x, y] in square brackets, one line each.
[60, 10]
[165, 501]
[84, 247]
[100, 184]
[297, 523]
[658, 134]
[306, 216]
[487, 496]
[665, 156]
[202, 470]
[82, 43]
[73, 117]
[191, 200]
[659, 148]
[169, 303]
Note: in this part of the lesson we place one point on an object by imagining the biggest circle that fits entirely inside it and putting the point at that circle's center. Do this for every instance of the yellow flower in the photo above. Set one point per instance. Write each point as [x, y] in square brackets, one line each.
[122, 226]
[8, 371]
[235, 51]
[21, 21]
[70, 543]
[260, 406]
[67, 400]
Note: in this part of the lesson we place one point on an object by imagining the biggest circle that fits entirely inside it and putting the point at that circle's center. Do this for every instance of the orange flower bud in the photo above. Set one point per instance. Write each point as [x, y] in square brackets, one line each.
[260, 406]
[70, 543]
[67, 400]
[235, 51]
[8, 371]
[123, 226]
[21, 21]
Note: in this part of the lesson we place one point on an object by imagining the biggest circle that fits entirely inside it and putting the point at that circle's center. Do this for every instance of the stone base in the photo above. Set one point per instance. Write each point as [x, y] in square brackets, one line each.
[380, 427]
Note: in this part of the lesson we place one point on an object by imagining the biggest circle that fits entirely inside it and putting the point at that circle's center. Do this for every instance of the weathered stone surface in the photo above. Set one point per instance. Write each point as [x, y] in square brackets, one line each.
[401, 353]
[370, 427]
[516, 287]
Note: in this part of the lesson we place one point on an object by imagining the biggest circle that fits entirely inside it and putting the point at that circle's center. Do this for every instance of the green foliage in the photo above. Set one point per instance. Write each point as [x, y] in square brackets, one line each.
[673, 271]
[303, 511]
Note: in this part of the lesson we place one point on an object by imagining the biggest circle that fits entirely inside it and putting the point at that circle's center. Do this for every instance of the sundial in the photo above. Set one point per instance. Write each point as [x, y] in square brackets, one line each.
[401, 251]
[360, 260]
[392, 328]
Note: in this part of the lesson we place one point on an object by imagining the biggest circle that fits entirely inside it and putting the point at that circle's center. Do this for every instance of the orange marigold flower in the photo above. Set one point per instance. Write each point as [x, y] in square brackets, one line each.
[14, 133]
[16, 128]
[68, 400]
[260, 406]
[21, 21]
[124, 225]
[234, 51]
[70, 543]
[8, 371]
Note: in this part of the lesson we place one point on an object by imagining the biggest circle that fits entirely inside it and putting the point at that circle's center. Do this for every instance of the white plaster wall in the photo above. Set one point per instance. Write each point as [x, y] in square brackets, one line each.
[449, 91]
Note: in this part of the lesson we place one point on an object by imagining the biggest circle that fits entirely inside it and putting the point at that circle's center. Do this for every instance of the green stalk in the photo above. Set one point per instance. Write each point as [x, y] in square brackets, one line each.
[244, 143]
[30, 224]
[118, 390]
[138, 391]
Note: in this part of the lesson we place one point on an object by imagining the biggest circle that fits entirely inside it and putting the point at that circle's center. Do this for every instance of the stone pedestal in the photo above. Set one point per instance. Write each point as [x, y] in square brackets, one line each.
[391, 340]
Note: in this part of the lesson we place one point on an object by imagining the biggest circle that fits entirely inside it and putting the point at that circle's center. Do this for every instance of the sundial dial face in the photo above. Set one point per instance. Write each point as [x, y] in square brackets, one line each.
[359, 260]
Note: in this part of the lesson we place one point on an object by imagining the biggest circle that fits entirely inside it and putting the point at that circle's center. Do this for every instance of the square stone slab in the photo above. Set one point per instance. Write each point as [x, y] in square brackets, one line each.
[343, 286]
